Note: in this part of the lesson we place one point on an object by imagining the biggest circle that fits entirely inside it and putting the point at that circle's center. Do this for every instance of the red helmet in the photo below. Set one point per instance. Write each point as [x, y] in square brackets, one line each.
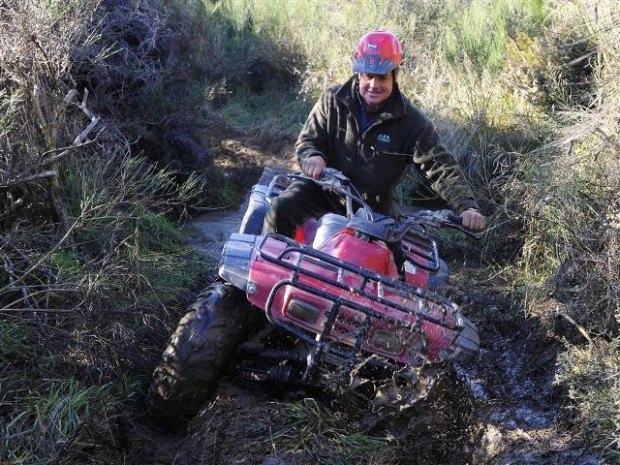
[377, 52]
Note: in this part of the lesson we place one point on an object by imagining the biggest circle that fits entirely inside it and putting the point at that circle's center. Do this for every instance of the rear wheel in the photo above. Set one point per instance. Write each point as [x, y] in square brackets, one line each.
[202, 344]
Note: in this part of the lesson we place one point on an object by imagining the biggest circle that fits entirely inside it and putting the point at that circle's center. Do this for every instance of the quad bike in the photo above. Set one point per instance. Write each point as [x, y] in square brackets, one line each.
[340, 314]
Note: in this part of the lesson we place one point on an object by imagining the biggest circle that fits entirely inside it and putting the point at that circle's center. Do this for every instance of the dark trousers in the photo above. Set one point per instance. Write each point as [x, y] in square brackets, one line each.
[303, 200]
[298, 202]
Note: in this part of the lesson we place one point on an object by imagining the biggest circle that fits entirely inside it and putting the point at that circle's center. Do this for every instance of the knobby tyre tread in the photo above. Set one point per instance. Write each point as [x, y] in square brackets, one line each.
[198, 350]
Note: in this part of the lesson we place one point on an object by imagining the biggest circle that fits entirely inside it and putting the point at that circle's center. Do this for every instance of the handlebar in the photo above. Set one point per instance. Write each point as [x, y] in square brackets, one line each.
[395, 227]
[441, 219]
[335, 181]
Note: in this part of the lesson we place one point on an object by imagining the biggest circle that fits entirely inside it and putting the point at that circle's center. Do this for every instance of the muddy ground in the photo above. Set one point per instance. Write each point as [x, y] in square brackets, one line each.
[498, 407]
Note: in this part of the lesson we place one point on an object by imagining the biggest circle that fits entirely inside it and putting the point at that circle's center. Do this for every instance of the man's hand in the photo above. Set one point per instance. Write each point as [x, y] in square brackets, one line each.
[313, 166]
[473, 220]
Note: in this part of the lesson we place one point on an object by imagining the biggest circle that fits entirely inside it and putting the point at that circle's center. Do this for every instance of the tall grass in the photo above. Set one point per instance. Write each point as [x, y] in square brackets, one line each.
[305, 45]
[571, 240]
[591, 376]
[478, 32]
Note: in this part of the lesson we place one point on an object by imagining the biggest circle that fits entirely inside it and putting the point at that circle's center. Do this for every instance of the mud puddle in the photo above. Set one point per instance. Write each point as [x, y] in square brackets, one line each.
[208, 233]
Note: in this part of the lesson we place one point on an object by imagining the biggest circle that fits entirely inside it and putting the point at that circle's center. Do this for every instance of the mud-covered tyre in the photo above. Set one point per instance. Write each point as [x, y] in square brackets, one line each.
[200, 347]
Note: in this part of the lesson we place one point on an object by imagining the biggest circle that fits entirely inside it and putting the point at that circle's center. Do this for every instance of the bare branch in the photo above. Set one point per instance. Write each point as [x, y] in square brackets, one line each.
[581, 329]
[84, 134]
[81, 137]
[63, 150]
[13, 278]
[27, 179]
[82, 106]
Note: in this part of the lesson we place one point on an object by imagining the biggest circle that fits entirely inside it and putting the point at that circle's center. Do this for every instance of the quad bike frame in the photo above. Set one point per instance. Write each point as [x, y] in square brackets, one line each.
[334, 290]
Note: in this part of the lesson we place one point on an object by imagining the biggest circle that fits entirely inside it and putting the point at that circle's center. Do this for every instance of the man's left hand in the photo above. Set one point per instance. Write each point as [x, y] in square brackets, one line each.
[473, 220]
[313, 166]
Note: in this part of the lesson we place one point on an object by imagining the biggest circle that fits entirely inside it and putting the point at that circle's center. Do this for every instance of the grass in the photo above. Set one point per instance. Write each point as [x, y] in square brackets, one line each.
[477, 33]
[53, 417]
[14, 342]
[270, 115]
[591, 375]
[312, 434]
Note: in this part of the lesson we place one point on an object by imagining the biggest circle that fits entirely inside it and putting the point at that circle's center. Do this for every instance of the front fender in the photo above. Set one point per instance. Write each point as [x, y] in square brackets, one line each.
[236, 257]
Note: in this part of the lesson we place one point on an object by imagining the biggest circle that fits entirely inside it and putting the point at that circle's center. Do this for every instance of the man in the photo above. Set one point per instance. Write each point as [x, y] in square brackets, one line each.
[370, 131]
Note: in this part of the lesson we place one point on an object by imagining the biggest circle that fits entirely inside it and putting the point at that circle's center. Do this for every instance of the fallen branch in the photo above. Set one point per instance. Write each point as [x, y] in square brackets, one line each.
[580, 328]
[84, 134]
[27, 179]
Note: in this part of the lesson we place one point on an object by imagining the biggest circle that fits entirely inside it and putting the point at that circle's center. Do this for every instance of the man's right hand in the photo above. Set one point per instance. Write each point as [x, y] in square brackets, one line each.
[313, 166]
[473, 220]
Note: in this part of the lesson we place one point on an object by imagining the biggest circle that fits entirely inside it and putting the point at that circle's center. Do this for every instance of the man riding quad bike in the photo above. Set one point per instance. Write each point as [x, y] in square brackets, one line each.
[340, 314]
[329, 261]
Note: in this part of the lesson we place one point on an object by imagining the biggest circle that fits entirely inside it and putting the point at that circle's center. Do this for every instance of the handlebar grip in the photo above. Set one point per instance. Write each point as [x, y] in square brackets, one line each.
[454, 218]
[457, 223]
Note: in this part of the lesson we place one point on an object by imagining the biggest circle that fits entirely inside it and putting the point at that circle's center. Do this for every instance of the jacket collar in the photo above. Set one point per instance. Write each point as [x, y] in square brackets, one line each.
[348, 93]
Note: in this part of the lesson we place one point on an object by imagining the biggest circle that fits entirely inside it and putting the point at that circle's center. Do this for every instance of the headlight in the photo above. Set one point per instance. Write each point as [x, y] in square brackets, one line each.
[303, 311]
[387, 341]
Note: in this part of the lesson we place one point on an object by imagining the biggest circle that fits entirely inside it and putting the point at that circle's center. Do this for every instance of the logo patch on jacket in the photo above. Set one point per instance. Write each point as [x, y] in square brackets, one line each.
[384, 138]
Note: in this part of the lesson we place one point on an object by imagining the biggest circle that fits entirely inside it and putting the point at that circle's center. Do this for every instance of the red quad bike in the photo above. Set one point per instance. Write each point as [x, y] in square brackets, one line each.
[340, 313]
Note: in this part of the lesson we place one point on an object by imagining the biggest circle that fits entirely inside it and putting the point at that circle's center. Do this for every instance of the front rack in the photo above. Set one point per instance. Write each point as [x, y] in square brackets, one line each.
[322, 342]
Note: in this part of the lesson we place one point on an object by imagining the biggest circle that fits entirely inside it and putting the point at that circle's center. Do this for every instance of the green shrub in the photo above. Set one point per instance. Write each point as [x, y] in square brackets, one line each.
[591, 376]
[477, 33]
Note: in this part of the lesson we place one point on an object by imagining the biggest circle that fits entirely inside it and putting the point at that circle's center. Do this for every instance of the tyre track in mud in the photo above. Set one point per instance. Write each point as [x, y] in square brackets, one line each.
[518, 411]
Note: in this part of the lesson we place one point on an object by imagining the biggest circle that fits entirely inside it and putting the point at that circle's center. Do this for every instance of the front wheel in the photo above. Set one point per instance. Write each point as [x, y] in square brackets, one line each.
[200, 347]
